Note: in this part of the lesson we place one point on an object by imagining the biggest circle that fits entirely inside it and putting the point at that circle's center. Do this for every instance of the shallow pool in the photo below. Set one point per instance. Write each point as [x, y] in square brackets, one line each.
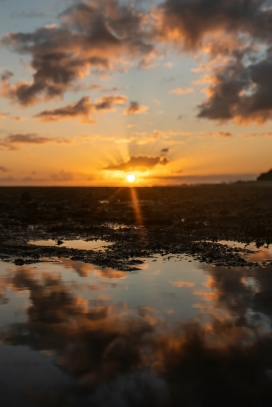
[175, 332]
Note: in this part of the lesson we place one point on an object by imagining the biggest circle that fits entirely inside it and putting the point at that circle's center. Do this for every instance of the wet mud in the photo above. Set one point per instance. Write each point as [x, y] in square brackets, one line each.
[138, 222]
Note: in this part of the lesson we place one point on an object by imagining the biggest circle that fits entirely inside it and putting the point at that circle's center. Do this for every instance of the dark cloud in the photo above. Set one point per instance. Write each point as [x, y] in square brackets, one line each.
[164, 151]
[135, 108]
[82, 109]
[189, 22]
[140, 163]
[241, 31]
[100, 36]
[89, 35]
[14, 141]
[3, 169]
[241, 92]
[107, 102]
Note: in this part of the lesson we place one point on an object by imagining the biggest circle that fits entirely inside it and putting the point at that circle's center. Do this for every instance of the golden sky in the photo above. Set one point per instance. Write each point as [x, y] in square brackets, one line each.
[171, 91]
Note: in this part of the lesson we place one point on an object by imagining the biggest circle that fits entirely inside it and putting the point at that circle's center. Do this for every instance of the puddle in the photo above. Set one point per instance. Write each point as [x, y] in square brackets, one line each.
[159, 284]
[74, 244]
[260, 253]
[238, 245]
[77, 334]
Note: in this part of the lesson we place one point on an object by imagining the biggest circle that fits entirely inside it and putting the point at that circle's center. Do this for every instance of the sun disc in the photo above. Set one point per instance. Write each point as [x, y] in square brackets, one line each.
[131, 178]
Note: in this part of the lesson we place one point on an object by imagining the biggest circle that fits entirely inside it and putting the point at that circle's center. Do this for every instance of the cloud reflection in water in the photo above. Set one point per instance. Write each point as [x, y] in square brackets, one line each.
[109, 351]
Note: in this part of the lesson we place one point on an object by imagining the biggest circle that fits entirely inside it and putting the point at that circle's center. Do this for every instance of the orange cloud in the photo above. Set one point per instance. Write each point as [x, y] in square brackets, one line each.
[181, 91]
[90, 35]
[139, 163]
[14, 141]
[182, 284]
[82, 109]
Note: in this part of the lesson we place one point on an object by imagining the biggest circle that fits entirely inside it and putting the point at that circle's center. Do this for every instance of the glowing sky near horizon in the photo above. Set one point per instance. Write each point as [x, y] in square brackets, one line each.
[170, 91]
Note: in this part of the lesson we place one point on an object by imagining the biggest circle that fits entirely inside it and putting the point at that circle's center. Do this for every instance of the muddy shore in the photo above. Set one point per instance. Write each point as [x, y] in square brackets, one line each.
[140, 222]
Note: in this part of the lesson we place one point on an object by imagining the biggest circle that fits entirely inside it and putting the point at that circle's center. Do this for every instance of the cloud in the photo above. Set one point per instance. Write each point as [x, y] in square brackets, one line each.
[11, 117]
[241, 93]
[82, 109]
[113, 89]
[3, 169]
[216, 134]
[135, 108]
[237, 37]
[109, 35]
[139, 163]
[89, 35]
[181, 284]
[181, 91]
[164, 151]
[14, 141]
[143, 138]
[172, 137]
[107, 102]
[187, 23]
[83, 87]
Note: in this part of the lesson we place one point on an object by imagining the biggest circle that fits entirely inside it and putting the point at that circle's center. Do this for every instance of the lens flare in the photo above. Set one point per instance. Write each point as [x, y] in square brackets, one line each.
[131, 178]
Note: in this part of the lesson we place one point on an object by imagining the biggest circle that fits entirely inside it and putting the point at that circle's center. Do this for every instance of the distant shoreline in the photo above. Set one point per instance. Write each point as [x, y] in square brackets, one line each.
[155, 181]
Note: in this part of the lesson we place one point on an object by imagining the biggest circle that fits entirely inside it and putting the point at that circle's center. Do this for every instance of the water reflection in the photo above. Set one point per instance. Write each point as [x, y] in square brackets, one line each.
[173, 333]
[74, 244]
[257, 252]
[261, 255]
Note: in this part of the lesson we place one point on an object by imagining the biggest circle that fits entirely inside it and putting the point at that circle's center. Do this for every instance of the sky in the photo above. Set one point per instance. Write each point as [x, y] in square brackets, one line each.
[172, 91]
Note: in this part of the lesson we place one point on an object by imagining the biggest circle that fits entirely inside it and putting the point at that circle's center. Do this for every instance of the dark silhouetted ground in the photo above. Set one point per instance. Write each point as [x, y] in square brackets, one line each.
[164, 220]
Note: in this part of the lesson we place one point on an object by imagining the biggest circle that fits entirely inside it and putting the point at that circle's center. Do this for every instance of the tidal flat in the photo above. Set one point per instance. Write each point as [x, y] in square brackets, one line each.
[136, 296]
[135, 222]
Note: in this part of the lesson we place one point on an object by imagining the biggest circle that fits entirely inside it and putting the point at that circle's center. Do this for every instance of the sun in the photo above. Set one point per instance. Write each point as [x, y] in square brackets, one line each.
[131, 178]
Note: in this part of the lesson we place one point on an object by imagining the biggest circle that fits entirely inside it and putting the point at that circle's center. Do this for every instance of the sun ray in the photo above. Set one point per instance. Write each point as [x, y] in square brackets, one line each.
[138, 215]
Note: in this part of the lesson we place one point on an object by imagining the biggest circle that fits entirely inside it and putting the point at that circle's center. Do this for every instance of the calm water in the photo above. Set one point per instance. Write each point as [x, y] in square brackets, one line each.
[260, 254]
[74, 244]
[174, 333]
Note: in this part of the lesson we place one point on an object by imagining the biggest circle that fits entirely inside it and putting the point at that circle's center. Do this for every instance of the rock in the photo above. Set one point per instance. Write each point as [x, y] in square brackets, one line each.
[19, 262]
